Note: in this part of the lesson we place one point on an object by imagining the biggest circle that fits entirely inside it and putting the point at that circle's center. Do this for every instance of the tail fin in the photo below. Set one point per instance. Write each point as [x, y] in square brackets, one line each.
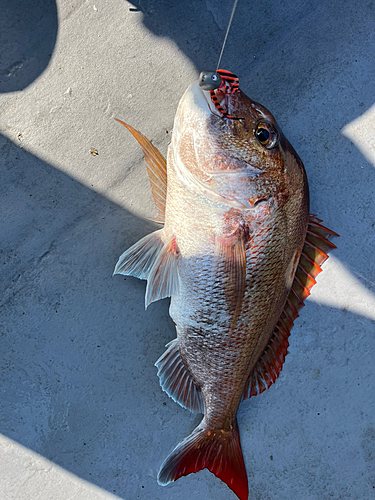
[218, 451]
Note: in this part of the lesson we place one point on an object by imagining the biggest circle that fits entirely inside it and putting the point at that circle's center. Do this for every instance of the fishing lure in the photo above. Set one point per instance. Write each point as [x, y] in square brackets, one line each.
[222, 80]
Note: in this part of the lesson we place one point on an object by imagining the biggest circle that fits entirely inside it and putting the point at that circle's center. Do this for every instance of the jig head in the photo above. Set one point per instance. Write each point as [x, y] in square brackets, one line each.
[209, 80]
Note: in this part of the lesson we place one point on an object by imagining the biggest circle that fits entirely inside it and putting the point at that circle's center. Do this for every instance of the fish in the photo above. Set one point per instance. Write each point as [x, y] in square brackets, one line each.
[238, 254]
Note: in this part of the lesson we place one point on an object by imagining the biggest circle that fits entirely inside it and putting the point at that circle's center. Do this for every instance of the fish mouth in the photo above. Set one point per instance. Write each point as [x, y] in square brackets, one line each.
[222, 108]
[218, 102]
[203, 101]
[211, 105]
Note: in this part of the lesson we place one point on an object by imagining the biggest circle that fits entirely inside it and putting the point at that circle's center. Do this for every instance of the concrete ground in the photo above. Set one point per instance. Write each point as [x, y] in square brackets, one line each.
[82, 413]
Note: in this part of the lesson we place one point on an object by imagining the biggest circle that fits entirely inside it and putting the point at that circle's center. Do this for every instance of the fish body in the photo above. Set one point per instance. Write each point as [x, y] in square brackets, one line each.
[237, 254]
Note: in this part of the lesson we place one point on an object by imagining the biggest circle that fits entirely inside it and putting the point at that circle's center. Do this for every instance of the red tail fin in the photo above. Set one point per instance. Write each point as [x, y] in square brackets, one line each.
[218, 451]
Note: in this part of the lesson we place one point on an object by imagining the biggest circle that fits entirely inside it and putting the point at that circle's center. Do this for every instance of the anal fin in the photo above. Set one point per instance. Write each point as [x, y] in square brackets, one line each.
[176, 381]
[156, 170]
[314, 253]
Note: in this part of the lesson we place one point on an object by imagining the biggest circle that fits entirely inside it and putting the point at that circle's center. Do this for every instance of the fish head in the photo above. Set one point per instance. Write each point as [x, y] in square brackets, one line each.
[232, 146]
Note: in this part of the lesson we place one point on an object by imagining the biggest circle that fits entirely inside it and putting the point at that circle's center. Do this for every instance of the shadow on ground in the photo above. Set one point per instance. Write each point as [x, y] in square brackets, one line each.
[28, 32]
[67, 381]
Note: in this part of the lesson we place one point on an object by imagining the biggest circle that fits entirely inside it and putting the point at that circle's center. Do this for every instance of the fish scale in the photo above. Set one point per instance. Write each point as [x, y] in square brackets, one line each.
[209, 301]
[238, 255]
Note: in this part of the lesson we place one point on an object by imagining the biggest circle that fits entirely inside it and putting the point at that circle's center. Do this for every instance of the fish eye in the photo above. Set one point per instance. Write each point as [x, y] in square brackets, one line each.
[267, 135]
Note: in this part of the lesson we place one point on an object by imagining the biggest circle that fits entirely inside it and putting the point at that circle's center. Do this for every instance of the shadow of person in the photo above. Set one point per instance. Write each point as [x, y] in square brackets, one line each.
[28, 32]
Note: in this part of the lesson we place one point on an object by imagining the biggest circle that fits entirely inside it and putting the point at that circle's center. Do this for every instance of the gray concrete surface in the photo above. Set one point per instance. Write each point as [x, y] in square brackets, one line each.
[82, 413]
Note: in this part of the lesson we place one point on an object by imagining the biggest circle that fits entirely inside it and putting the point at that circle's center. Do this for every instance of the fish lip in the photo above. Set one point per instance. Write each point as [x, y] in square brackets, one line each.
[210, 104]
[213, 109]
[198, 93]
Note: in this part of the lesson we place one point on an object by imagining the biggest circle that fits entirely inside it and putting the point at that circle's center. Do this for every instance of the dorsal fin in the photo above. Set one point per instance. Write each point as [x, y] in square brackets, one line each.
[314, 253]
[156, 170]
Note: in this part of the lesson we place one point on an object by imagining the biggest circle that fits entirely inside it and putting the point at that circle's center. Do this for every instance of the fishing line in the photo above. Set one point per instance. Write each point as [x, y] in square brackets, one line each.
[226, 34]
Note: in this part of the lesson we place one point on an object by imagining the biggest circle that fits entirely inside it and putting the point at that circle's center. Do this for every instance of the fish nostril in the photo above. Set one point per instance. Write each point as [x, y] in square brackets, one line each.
[260, 200]
[257, 201]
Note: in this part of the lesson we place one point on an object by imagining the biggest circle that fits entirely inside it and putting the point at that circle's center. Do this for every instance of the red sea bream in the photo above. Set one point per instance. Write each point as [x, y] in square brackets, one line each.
[238, 255]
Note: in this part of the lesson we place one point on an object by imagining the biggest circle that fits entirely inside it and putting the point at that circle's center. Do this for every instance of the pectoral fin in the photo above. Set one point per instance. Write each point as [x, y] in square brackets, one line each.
[154, 260]
[138, 259]
[156, 170]
[230, 252]
[163, 280]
